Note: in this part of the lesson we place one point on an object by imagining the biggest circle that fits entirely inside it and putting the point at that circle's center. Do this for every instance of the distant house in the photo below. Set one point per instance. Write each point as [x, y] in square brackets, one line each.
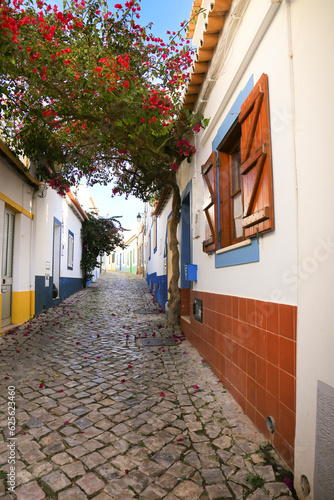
[256, 222]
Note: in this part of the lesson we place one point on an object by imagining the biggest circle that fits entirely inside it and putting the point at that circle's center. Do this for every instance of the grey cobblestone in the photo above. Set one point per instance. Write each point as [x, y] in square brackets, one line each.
[101, 416]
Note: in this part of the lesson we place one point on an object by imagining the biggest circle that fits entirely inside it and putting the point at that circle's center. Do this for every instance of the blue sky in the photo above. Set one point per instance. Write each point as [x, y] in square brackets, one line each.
[165, 15]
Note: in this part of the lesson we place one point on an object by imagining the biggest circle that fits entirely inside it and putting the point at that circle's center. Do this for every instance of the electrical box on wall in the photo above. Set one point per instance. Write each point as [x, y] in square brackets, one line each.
[190, 272]
[198, 310]
[197, 229]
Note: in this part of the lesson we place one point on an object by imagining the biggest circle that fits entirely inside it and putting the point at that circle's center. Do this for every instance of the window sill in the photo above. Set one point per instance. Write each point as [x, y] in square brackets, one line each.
[244, 252]
[241, 244]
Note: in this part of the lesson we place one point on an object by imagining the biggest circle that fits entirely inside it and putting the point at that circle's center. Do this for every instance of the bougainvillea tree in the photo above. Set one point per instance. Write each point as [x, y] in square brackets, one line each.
[99, 235]
[91, 91]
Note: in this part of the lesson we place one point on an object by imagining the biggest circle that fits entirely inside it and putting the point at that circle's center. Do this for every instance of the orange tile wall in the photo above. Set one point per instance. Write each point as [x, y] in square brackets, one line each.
[251, 347]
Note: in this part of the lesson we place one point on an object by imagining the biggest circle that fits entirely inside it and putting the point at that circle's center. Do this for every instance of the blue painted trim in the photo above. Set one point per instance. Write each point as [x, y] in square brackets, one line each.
[43, 294]
[232, 114]
[68, 243]
[242, 255]
[160, 285]
[186, 240]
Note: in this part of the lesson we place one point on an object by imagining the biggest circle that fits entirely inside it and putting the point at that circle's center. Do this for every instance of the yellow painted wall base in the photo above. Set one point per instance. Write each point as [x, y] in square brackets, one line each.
[23, 306]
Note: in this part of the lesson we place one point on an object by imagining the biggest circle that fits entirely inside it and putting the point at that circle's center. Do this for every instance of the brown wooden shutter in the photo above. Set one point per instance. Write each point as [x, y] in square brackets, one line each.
[256, 169]
[210, 244]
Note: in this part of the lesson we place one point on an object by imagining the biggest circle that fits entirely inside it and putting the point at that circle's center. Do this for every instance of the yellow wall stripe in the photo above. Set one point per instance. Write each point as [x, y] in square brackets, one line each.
[21, 306]
[15, 206]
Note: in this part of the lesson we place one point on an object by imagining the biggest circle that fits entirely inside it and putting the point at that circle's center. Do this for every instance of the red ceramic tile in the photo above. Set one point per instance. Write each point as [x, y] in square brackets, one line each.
[261, 343]
[294, 312]
[273, 348]
[242, 308]
[235, 307]
[287, 355]
[287, 425]
[272, 380]
[242, 332]
[286, 321]
[261, 400]
[287, 390]
[272, 317]
[242, 383]
[228, 326]
[250, 411]
[251, 312]
[251, 364]
[272, 409]
[222, 302]
[251, 391]
[261, 314]
[242, 358]
[261, 372]
[251, 338]
[260, 422]
[284, 449]
[228, 306]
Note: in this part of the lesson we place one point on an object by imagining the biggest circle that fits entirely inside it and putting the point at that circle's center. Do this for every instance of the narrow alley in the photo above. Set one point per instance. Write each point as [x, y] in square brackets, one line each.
[101, 415]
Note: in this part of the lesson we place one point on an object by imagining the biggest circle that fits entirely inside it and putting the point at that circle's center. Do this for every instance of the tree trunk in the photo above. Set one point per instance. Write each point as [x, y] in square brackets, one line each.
[174, 302]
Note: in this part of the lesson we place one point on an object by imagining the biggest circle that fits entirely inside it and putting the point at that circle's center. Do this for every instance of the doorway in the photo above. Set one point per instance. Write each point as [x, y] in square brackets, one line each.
[7, 268]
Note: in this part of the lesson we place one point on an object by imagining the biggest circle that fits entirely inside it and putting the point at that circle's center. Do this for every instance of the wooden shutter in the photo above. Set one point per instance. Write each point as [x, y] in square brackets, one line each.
[210, 244]
[256, 169]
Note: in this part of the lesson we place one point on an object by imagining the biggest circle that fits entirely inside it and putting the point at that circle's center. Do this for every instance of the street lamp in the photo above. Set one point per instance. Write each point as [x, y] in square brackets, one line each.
[139, 216]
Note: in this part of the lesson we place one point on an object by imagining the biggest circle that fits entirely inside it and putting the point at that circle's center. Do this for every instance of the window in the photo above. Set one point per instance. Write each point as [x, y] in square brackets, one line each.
[70, 250]
[239, 180]
[134, 256]
[113, 258]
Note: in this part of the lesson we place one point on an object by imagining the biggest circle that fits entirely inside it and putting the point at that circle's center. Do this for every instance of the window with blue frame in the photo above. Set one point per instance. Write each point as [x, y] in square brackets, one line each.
[70, 250]
[238, 176]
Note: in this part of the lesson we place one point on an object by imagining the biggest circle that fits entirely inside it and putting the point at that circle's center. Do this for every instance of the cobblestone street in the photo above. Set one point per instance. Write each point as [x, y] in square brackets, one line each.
[100, 415]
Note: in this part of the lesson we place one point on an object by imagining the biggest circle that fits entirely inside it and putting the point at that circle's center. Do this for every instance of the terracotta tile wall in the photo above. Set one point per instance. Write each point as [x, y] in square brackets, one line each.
[251, 347]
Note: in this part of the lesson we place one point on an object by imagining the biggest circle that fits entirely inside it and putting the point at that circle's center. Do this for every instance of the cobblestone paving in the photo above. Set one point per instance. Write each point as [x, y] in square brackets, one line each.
[101, 416]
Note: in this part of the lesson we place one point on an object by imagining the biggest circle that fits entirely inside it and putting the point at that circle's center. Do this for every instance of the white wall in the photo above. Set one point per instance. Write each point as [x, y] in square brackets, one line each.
[263, 280]
[46, 209]
[156, 263]
[313, 44]
[21, 193]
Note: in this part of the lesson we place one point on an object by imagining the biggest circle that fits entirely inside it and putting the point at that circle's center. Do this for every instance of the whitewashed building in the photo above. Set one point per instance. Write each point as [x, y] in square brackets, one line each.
[40, 242]
[256, 223]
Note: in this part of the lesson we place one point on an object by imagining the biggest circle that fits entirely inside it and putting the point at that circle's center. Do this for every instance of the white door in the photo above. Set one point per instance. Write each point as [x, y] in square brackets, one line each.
[7, 268]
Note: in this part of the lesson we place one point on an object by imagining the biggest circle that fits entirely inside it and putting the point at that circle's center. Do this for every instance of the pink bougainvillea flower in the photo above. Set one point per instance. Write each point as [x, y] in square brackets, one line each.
[17, 350]
[180, 439]
[97, 357]
[153, 334]
[6, 378]
[52, 337]
[126, 471]
[66, 423]
[41, 386]
[162, 350]
[97, 335]
[61, 390]
[219, 381]
[85, 357]
[203, 361]
[196, 386]
[77, 343]
[123, 380]
[129, 366]
[185, 352]
[162, 394]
